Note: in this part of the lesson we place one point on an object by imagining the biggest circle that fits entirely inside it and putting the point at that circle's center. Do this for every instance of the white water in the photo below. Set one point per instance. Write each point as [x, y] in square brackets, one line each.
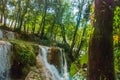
[65, 74]
[53, 70]
[5, 65]
[10, 35]
[1, 34]
[7, 34]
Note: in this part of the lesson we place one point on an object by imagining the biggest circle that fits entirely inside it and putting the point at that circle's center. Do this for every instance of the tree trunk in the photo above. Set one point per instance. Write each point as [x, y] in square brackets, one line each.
[51, 28]
[34, 24]
[24, 27]
[5, 19]
[1, 13]
[100, 57]
[11, 25]
[18, 15]
[44, 20]
[74, 38]
[81, 43]
[21, 19]
[1, 19]
[63, 33]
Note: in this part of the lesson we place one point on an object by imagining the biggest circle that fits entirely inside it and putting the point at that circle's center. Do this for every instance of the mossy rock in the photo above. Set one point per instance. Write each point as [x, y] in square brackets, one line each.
[24, 56]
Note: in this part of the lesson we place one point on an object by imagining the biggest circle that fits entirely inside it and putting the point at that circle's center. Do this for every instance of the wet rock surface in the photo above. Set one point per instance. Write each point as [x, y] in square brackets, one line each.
[5, 60]
[54, 57]
[7, 34]
[40, 72]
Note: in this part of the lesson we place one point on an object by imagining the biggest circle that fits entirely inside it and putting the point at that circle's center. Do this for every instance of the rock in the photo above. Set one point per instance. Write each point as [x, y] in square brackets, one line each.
[5, 60]
[54, 57]
[10, 35]
[7, 34]
[51, 65]
[40, 72]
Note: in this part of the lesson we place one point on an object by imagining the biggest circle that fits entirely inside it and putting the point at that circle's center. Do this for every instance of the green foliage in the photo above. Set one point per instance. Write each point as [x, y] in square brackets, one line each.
[116, 24]
[117, 59]
[83, 59]
[116, 38]
[23, 57]
[24, 53]
[117, 16]
[73, 69]
[65, 46]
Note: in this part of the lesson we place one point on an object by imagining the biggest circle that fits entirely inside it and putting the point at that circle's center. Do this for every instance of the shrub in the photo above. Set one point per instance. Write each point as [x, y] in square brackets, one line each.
[23, 57]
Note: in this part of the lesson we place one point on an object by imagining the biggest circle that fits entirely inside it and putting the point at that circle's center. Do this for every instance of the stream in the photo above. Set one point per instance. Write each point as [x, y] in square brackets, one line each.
[57, 75]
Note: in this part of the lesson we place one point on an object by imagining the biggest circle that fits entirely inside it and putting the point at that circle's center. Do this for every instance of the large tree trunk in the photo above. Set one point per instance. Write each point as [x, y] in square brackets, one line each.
[100, 58]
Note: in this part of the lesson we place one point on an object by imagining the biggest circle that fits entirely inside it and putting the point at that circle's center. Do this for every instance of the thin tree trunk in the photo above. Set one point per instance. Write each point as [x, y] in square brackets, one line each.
[34, 24]
[5, 19]
[24, 27]
[11, 25]
[18, 15]
[76, 29]
[63, 33]
[81, 43]
[1, 13]
[52, 27]
[4, 13]
[74, 38]
[1, 19]
[42, 24]
[44, 20]
[22, 16]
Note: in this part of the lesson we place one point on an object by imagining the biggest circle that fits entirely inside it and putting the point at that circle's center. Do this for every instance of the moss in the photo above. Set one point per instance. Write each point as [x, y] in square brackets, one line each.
[35, 48]
[24, 56]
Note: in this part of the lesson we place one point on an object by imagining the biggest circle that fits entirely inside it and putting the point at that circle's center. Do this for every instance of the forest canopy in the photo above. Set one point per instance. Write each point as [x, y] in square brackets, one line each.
[69, 24]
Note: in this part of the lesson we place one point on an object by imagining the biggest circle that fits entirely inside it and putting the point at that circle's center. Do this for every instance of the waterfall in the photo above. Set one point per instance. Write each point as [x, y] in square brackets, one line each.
[10, 35]
[5, 65]
[1, 34]
[65, 73]
[52, 68]
[7, 34]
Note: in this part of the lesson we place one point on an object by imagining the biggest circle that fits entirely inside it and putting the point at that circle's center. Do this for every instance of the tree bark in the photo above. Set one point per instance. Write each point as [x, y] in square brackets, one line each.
[100, 57]
[81, 43]
[44, 20]
[63, 33]
[11, 25]
[74, 38]
[52, 27]
[22, 15]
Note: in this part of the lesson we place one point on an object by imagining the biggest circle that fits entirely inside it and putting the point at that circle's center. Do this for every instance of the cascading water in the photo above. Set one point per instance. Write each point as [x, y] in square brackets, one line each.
[65, 73]
[53, 70]
[10, 35]
[7, 34]
[1, 34]
[5, 55]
